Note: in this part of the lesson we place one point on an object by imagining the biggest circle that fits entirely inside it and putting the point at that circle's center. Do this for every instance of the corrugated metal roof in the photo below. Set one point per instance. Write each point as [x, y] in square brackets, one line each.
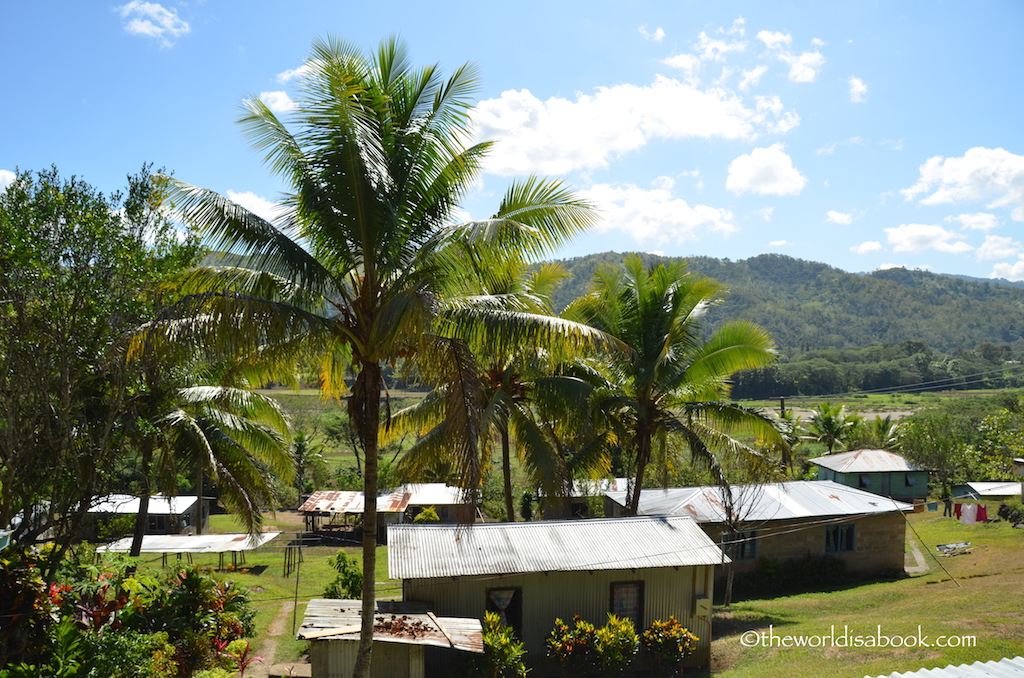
[866, 461]
[329, 501]
[772, 501]
[397, 622]
[199, 543]
[427, 551]
[977, 490]
[159, 505]
[1004, 668]
[433, 494]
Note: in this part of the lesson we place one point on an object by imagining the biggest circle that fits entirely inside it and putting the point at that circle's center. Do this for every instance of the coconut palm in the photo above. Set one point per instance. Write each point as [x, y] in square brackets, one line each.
[350, 274]
[672, 379]
[831, 426]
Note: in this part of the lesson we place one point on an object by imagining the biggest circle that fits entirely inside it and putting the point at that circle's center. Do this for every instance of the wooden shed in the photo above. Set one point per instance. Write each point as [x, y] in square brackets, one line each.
[402, 633]
[531, 573]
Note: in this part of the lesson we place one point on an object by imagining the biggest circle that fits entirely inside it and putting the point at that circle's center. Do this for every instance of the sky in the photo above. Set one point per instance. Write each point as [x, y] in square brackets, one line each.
[864, 135]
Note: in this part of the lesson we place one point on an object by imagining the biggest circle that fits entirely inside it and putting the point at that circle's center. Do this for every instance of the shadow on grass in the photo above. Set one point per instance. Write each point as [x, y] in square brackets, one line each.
[744, 594]
[727, 623]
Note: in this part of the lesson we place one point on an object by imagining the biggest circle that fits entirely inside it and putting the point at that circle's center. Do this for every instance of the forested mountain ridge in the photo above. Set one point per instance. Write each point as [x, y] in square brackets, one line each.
[807, 305]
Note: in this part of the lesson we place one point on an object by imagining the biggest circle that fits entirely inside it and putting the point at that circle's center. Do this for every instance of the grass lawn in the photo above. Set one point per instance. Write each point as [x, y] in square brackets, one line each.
[986, 605]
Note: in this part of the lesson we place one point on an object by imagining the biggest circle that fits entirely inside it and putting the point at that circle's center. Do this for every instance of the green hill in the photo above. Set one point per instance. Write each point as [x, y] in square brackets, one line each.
[808, 306]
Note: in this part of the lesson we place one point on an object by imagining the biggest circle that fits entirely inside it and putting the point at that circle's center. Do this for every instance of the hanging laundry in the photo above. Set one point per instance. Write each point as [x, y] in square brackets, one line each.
[969, 514]
[982, 513]
[957, 510]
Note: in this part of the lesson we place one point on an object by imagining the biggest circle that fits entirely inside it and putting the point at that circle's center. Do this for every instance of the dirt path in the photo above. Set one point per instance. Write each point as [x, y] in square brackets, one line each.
[921, 566]
[268, 650]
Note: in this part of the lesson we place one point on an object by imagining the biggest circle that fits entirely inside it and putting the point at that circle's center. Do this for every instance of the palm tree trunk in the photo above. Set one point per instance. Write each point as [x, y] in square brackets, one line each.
[367, 422]
[198, 511]
[643, 455]
[142, 518]
[506, 461]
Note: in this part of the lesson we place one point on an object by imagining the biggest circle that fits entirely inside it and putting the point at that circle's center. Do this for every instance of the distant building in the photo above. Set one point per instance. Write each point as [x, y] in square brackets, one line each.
[533, 572]
[342, 511]
[166, 515]
[1000, 490]
[782, 521]
[449, 502]
[578, 503]
[879, 471]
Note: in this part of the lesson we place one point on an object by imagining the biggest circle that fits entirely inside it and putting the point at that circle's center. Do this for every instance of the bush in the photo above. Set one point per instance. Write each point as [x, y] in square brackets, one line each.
[349, 581]
[573, 648]
[503, 654]
[427, 515]
[130, 654]
[669, 642]
[616, 645]
[1012, 511]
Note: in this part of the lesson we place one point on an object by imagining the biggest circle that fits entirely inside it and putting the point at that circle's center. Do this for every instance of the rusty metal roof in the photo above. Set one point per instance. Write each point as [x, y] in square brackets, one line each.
[866, 461]
[427, 551]
[396, 622]
[1004, 668]
[325, 501]
[760, 503]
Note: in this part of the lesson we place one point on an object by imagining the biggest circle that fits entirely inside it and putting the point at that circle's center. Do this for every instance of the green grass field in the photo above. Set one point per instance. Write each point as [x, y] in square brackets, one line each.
[986, 605]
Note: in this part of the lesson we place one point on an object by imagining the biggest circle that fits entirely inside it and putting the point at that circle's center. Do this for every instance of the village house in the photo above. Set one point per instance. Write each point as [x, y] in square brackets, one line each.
[449, 502]
[879, 471]
[782, 521]
[166, 515]
[531, 573]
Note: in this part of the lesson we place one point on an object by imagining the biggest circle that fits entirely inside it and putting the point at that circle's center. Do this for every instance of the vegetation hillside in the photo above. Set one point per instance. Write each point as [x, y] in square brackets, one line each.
[808, 306]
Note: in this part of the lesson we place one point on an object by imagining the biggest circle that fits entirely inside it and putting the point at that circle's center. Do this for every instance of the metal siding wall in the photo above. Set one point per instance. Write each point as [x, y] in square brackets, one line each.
[667, 591]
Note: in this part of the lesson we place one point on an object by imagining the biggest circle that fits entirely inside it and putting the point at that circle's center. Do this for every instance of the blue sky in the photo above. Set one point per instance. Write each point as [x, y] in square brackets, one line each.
[860, 134]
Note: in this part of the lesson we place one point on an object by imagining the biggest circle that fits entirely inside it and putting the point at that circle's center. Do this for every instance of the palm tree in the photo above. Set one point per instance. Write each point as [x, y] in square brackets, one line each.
[351, 272]
[673, 380]
[831, 426]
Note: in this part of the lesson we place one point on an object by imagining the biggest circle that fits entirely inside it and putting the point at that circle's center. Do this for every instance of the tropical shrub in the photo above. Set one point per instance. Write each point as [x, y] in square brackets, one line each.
[573, 648]
[427, 515]
[616, 644]
[27, 606]
[503, 653]
[349, 581]
[668, 642]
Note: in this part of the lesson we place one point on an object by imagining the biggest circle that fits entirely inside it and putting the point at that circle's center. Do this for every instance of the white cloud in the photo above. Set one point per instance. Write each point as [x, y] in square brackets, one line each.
[656, 36]
[857, 90]
[1014, 271]
[981, 174]
[998, 247]
[6, 179]
[765, 171]
[785, 121]
[766, 213]
[753, 76]
[687, 63]
[778, 243]
[894, 144]
[774, 40]
[922, 237]
[840, 218]
[656, 215]
[715, 50]
[293, 73]
[827, 149]
[738, 27]
[153, 20]
[818, 42]
[559, 135]
[805, 67]
[278, 102]
[867, 247]
[256, 204]
[982, 221]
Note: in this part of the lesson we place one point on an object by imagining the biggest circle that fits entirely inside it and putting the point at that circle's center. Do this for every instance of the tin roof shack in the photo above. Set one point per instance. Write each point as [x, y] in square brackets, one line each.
[581, 497]
[781, 521]
[342, 511]
[449, 502]
[999, 490]
[530, 573]
[879, 471]
[167, 515]
[402, 633]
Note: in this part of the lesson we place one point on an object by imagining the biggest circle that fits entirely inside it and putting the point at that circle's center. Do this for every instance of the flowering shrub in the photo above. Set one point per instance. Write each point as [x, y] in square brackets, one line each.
[573, 648]
[502, 652]
[616, 643]
[668, 641]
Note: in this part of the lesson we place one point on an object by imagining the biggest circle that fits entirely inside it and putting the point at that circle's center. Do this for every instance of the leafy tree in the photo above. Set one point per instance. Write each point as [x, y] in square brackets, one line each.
[831, 426]
[78, 271]
[672, 379]
[350, 273]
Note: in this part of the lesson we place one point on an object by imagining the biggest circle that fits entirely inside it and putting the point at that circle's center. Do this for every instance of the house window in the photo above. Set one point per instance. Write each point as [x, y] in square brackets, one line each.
[865, 481]
[508, 603]
[157, 524]
[909, 480]
[839, 539]
[744, 546]
[628, 601]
